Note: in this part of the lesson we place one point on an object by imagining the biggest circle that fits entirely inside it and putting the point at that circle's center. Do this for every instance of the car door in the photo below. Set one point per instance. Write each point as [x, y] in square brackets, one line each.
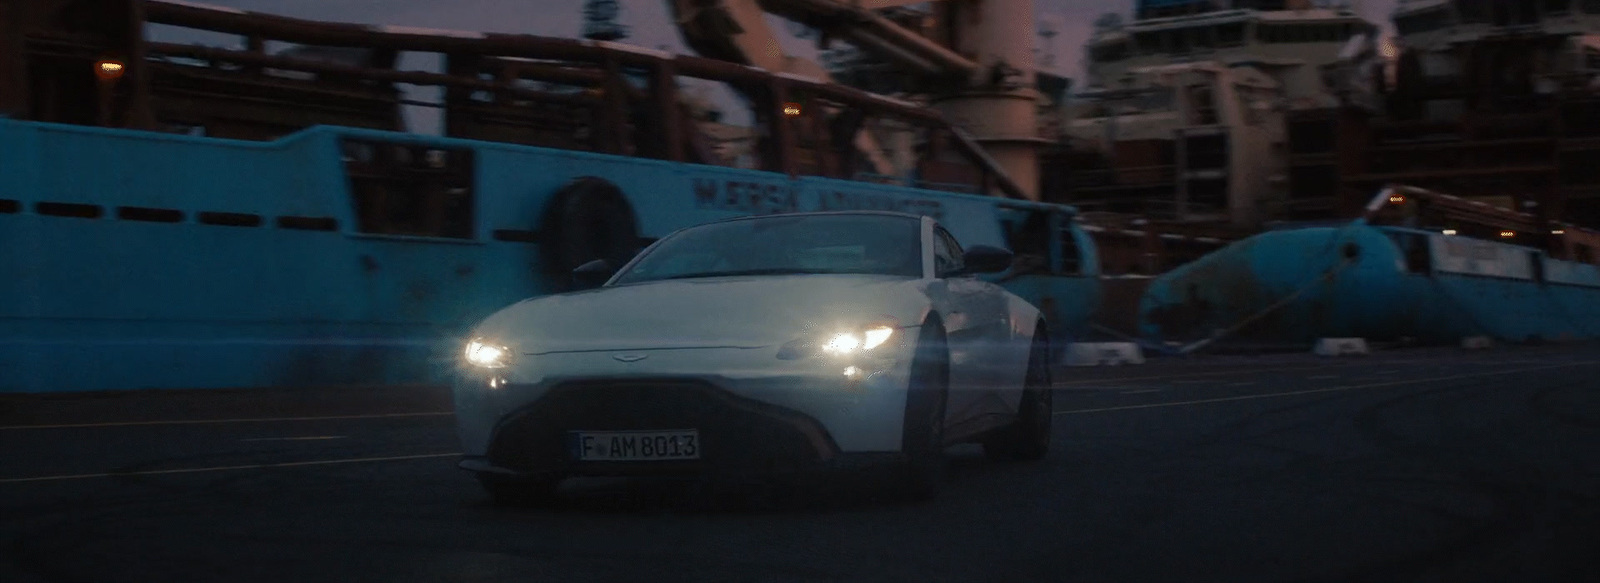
[977, 340]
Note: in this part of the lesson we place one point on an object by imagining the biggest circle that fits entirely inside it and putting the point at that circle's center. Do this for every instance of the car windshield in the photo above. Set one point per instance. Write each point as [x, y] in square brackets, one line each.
[784, 245]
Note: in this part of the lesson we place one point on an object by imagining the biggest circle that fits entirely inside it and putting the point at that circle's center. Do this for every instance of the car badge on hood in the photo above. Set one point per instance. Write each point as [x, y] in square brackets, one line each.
[630, 357]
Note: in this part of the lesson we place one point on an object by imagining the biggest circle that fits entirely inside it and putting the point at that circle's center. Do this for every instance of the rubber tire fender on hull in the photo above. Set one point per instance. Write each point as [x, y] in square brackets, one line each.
[585, 220]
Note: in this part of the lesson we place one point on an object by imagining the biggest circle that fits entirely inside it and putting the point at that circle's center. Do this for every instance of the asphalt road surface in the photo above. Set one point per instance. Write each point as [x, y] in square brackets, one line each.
[1414, 465]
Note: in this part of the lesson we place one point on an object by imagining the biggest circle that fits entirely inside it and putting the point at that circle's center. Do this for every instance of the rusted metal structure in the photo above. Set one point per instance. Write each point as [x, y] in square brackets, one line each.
[1177, 145]
[1536, 154]
[1494, 102]
[1184, 113]
[1448, 214]
[606, 97]
[983, 68]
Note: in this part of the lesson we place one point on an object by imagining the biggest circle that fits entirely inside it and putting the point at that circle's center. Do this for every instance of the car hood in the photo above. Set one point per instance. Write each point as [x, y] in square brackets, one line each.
[741, 312]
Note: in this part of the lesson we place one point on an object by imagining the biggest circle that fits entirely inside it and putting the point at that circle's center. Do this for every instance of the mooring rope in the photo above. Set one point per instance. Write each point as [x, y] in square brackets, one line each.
[1275, 306]
[1326, 276]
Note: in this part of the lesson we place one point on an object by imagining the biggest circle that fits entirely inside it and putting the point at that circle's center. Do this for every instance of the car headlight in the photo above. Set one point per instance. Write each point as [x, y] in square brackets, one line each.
[848, 342]
[858, 341]
[487, 355]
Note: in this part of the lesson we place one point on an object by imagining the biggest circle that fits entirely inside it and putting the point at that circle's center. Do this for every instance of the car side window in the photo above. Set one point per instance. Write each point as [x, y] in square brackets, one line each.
[946, 253]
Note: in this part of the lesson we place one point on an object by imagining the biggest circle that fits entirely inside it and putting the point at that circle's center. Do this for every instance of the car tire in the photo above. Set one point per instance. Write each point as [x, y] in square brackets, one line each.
[518, 491]
[923, 472]
[1028, 438]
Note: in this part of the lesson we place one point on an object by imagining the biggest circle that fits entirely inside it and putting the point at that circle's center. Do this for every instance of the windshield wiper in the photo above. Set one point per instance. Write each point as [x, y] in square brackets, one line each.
[770, 271]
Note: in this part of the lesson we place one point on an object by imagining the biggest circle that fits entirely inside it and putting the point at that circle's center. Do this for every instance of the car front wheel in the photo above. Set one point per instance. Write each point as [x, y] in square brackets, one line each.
[1029, 437]
[922, 475]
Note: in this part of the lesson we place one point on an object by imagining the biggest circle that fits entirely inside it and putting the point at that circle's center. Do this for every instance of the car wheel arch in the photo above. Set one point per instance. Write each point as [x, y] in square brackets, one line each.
[922, 432]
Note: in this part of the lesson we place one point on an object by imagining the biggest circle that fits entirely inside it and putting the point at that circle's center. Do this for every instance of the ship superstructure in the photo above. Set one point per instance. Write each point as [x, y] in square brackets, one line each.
[1294, 42]
[1494, 102]
[1184, 110]
[1182, 124]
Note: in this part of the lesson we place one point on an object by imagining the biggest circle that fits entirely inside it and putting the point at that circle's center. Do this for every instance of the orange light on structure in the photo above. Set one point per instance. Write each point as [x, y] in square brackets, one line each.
[1389, 49]
[1507, 234]
[109, 70]
[1397, 198]
[791, 109]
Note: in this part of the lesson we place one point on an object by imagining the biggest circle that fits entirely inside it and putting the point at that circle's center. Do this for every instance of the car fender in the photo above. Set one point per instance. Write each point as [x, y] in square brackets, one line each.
[1025, 321]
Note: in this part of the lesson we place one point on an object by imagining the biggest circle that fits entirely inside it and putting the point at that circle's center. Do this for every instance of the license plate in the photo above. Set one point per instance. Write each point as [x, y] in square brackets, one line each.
[629, 446]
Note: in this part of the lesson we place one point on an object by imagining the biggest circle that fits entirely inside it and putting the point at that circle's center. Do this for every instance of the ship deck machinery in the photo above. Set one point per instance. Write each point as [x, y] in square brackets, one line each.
[1493, 101]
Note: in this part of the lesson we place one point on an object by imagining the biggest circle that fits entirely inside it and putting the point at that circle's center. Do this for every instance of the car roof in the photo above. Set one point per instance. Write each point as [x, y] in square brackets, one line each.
[823, 214]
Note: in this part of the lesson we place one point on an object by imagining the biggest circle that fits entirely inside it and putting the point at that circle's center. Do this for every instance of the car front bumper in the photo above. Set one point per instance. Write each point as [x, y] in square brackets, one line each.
[754, 413]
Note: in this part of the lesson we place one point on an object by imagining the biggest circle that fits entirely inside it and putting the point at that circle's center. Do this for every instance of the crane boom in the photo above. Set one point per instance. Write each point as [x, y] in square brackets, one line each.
[736, 31]
[990, 65]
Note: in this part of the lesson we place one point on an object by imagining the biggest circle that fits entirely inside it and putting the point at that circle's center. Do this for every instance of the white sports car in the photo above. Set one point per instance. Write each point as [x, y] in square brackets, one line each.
[760, 345]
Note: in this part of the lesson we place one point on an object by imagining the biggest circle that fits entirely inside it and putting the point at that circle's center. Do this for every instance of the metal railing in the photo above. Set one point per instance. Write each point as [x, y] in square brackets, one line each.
[628, 119]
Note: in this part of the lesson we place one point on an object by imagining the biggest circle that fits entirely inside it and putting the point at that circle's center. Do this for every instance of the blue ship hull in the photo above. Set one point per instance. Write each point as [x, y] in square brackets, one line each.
[137, 260]
[1380, 283]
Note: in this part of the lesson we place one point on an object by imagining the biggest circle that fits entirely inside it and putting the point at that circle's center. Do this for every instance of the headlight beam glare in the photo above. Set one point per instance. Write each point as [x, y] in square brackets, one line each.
[877, 336]
[486, 355]
[848, 342]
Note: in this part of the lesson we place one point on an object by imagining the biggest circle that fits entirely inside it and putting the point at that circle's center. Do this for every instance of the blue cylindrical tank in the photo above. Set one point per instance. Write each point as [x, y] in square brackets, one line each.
[1289, 286]
[1242, 283]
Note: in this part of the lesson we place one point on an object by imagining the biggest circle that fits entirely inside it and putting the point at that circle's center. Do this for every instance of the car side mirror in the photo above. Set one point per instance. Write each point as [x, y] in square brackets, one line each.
[985, 259]
[592, 274]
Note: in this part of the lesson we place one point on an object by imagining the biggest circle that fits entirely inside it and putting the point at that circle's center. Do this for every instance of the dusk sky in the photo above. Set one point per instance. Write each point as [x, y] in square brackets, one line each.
[648, 21]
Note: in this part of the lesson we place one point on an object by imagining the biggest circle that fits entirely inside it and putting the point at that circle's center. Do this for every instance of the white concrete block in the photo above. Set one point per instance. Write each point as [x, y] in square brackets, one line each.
[1477, 342]
[1340, 346]
[1103, 354]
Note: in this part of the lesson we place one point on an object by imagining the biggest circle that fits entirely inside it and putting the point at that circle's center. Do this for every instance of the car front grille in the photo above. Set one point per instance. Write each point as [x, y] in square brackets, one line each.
[736, 433]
